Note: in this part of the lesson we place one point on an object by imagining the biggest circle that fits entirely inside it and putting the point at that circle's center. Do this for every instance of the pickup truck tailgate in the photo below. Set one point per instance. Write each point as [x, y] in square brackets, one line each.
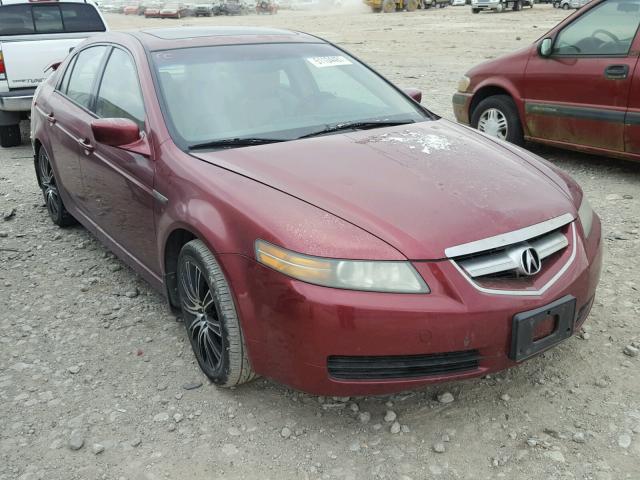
[26, 59]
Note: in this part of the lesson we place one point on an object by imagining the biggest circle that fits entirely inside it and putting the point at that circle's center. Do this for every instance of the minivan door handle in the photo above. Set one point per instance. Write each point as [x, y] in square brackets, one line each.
[617, 72]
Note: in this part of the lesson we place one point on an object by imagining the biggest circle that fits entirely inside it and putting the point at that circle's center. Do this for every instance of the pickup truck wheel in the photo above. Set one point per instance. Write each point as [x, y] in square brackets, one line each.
[210, 317]
[500, 8]
[51, 192]
[10, 136]
[498, 117]
[475, 10]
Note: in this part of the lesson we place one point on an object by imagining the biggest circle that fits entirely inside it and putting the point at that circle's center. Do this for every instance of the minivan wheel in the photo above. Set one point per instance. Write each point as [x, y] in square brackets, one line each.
[10, 136]
[210, 317]
[51, 192]
[498, 117]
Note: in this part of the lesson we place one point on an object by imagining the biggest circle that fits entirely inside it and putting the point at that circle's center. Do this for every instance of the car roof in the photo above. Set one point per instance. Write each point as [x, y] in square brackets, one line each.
[183, 37]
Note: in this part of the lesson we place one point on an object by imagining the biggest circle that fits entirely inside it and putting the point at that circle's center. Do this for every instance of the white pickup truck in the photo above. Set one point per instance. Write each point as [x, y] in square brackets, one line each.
[33, 35]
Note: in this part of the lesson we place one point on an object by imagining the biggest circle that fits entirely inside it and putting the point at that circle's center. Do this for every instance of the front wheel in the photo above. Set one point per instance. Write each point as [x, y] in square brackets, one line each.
[210, 317]
[497, 116]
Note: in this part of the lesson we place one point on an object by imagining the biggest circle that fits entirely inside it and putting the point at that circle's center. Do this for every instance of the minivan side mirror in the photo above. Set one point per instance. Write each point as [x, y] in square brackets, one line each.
[545, 48]
[115, 132]
[414, 93]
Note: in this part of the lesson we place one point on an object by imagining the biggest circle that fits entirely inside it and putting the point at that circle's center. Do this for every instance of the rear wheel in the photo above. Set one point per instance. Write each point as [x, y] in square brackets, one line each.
[51, 192]
[497, 116]
[10, 136]
[388, 6]
[210, 317]
[411, 5]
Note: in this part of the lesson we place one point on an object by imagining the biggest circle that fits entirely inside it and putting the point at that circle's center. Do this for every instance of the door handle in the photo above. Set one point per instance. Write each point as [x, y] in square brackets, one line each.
[52, 119]
[86, 144]
[617, 72]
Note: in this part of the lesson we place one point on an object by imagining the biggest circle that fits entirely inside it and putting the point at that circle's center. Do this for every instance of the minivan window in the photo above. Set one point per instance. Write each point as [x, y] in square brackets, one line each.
[607, 29]
[27, 19]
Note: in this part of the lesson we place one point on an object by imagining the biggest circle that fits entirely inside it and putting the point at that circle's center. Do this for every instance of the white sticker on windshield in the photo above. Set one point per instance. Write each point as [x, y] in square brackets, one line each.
[322, 62]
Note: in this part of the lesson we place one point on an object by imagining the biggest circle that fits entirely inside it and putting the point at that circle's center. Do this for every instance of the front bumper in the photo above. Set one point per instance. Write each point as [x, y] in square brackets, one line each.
[294, 330]
[462, 107]
[17, 100]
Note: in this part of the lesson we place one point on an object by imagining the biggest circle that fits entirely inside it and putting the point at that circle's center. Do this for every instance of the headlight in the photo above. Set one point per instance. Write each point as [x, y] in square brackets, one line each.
[586, 216]
[463, 84]
[373, 276]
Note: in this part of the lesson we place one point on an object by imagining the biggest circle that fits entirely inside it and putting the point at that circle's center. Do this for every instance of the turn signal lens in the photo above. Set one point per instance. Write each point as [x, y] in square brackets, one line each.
[463, 84]
[374, 276]
[586, 216]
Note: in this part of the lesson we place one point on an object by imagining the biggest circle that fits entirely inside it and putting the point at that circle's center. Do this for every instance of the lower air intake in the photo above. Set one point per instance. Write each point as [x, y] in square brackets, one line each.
[405, 366]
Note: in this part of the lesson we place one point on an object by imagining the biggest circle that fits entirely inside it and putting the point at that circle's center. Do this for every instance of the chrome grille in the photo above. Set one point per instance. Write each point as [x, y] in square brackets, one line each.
[508, 259]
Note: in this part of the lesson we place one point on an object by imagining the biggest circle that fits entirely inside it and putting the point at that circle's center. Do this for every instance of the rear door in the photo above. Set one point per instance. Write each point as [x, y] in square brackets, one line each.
[632, 121]
[579, 95]
[34, 35]
[70, 116]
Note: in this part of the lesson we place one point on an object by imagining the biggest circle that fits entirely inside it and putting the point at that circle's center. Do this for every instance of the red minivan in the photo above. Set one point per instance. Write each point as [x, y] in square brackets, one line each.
[577, 87]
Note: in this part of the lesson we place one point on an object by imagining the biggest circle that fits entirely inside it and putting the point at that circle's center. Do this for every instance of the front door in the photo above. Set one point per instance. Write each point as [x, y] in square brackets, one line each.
[119, 183]
[578, 96]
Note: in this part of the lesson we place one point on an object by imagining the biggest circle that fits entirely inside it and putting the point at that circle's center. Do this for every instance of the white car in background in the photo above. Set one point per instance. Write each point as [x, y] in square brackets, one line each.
[33, 35]
[458, 3]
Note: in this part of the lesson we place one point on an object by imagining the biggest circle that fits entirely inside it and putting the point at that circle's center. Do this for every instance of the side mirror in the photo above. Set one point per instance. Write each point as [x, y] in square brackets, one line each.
[545, 48]
[115, 132]
[414, 93]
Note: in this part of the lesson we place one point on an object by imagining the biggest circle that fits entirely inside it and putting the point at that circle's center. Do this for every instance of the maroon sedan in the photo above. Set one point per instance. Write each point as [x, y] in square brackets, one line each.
[575, 88]
[313, 223]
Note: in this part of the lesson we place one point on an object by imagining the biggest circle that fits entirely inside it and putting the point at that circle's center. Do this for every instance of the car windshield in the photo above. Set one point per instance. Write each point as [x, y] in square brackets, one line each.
[274, 91]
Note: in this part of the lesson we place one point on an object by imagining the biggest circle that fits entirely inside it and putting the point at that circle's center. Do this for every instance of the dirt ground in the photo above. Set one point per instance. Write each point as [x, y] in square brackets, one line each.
[93, 367]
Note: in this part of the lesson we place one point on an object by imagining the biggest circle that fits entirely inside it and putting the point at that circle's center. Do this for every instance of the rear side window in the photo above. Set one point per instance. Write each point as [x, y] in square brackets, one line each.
[84, 75]
[27, 19]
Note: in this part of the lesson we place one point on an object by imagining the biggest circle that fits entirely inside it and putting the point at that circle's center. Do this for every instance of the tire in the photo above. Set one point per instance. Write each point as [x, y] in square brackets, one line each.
[411, 5]
[517, 6]
[51, 192]
[388, 6]
[492, 112]
[10, 136]
[475, 10]
[565, 6]
[210, 317]
[500, 8]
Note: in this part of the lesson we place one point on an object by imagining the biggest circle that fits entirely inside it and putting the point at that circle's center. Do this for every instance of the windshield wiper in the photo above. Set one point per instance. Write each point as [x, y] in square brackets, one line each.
[338, 127]
[235, 142]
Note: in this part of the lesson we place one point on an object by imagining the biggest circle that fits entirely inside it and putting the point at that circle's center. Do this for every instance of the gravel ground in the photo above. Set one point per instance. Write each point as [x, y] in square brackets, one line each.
[97, 380]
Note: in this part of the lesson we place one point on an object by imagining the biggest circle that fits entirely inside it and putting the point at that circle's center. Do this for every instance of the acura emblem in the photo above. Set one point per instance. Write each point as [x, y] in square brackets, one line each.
[530, 261]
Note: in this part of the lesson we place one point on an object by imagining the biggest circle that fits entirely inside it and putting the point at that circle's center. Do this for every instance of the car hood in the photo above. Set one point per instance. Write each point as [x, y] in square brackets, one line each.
[421, 188]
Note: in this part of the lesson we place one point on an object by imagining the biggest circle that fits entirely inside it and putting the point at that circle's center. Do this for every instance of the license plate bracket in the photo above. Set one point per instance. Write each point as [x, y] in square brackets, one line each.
[523, 344]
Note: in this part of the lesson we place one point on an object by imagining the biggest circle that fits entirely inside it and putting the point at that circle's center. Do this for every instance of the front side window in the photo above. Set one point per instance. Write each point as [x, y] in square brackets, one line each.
[84, 75]
[119, 95]
[281, 91]
[27, 19]
[608, 29]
